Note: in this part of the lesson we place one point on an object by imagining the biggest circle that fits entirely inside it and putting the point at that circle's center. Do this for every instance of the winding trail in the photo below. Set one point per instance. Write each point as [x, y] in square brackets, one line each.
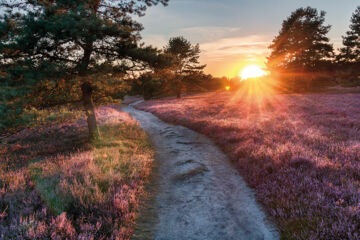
[201, 196]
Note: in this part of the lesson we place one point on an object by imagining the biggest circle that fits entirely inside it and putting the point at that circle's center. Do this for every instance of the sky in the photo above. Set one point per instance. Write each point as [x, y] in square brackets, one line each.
[235, 33]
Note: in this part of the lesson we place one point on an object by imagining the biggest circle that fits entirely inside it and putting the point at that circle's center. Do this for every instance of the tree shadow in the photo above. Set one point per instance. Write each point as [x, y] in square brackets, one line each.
[31, 145]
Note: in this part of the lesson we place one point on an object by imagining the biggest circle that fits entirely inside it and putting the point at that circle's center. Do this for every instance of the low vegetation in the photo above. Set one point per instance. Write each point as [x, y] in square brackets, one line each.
[70, 174]
[33, 117]
[301, 153]
[54, 184]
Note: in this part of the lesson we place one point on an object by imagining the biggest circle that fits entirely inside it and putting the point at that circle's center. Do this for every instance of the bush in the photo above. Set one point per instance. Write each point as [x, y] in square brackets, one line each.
[148, 85]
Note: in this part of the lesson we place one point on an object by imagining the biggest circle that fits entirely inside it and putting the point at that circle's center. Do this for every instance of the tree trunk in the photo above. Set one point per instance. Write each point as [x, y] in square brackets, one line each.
[178, 94]
[87, 90]
[178, 87]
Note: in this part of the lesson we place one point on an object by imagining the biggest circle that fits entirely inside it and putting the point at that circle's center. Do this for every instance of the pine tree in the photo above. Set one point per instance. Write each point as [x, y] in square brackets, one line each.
[301, 47]
[185, 61]
[350, 53]
[70, 40]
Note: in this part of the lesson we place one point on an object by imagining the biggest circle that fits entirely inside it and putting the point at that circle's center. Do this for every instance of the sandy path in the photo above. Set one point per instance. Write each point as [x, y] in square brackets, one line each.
[200, 195]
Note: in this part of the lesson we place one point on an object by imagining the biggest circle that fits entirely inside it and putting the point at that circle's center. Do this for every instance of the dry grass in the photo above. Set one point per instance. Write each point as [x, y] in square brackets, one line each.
[34, 118]
[54, 185]
[300, 152]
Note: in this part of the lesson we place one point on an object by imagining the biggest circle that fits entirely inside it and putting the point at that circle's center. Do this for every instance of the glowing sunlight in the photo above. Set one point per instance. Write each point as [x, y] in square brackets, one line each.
[253, 71]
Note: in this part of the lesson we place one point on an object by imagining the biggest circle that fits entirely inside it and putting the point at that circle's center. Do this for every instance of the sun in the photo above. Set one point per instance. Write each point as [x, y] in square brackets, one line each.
[252, 71]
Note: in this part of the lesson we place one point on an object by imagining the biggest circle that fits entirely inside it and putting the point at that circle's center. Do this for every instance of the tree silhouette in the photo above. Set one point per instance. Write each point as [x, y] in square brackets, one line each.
[301, 46]
[350, 53]
[70, 40]
[185, 61]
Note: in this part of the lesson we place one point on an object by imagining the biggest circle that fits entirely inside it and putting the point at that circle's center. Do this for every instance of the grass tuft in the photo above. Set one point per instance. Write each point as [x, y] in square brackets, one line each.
[53, 184]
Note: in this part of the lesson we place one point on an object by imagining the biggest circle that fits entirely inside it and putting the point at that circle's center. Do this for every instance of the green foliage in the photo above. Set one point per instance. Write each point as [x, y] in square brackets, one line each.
[350, 53]
[47, 187]
[148, 85]
[32, 117]
[349, 56]
[113, 162]
[49, 48]
[185, 62]
[218, 83]
[160, 84]
[302, 43]
[92, 186]
[301, 52]
[200, 82]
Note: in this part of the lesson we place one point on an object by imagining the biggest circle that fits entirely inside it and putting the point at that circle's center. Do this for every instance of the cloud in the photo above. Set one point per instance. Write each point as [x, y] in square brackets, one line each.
[245, 46]
[224, 49]
[227, 56]
[204, 34]
[255, 45]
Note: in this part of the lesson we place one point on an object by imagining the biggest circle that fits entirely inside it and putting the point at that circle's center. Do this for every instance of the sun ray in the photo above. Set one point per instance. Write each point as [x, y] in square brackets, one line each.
[252, 71]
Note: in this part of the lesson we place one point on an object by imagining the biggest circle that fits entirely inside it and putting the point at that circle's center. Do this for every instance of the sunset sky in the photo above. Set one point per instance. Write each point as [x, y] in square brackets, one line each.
[235, 33]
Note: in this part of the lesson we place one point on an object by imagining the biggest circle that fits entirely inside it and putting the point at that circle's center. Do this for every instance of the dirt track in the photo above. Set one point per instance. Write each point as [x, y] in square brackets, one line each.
[201, 196]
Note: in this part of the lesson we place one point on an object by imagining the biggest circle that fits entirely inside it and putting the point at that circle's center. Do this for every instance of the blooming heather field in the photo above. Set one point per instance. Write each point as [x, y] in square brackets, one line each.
[54, 185]
[301, 153]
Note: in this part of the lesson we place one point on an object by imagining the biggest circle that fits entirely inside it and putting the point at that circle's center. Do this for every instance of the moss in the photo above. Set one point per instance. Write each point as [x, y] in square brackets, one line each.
[47, 186]
[48, 189]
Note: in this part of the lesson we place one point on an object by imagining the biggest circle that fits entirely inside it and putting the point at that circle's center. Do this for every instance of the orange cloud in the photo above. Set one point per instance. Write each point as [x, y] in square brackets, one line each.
[224, 55]
[227, 56]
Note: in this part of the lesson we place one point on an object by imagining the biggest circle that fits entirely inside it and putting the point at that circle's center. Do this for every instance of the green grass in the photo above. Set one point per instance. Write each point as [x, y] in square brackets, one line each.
[34, 117]
[55, 178]
[88, 181]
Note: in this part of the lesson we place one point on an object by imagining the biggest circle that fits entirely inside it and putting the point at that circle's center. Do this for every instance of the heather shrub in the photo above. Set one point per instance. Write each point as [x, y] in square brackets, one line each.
[55, 185]
[33, 117]
[299, 152]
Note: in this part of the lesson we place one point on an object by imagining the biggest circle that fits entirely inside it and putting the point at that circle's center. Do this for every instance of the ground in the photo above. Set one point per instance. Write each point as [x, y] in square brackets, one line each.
[199, 195]
[300, 152]
[54, 184]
